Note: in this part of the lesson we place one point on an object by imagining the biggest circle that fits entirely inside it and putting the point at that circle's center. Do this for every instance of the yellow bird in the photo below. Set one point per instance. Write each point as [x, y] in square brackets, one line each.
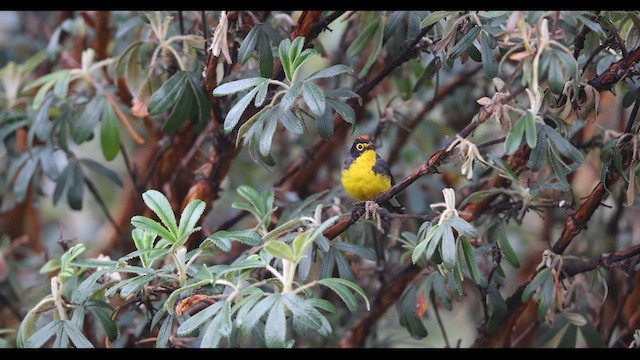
[365, 174]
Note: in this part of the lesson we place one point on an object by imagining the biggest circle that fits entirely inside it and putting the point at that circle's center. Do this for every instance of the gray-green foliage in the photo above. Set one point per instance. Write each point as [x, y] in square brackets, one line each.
[283, 107]
[280, 305]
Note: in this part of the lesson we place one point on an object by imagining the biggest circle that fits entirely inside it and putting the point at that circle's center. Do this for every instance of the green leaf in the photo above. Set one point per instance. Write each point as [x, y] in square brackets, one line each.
[563, 145]
[76, 336]
[184, 109]
[530, 129]
[304, 56]
[594, 26]
[244, 306]
[204, 105]
[331, 71]
[265, 56]
[539, 152]
[269, 130]
[363, 39]
[290, 97]
[418, 251]
[248, 45]
[429, 71]
[535, 283]
[448, 247]
[558, 169]
[152, 226]
[85, 288]
[355, 249]
[434, 236]
[292, 123]
[247, 237]
[102, 170]
[109, 133]
[296, 55]
[514, 138]
[324, 124]
[377, 45]
[61, 87]
[341, 287]
[342, 108]
[261, 94]
[164, 333]
[489, 62]
[237, 86]
[252, 318]
[218, 328]
[344, 269]
[465, 42]
[233, 116]
[499, 233]
[343, 92]
[283, 52]
[168, 94]
[75, 190]
[314, 98]
[49, 266]
[41, 125]
[190, 216]
[462, 226]
[157, 202]
[62, 181]
[470, 258]
[280, 250]
[407, 316]
[304, 315]
[434, 17]
[104, 318]
[556, 79]
[194, 322]
[275, 329]
[40, 337]
[83, 128]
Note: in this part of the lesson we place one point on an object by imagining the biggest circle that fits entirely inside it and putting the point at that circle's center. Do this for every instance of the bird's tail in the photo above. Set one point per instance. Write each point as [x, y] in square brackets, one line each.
[394, 206]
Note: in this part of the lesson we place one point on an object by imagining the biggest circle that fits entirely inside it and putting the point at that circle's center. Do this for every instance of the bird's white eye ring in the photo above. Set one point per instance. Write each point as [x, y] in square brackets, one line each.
[360, 147]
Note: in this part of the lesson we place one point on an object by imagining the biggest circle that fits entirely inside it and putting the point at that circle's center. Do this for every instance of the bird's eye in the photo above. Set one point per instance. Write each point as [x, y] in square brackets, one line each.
[360, 147]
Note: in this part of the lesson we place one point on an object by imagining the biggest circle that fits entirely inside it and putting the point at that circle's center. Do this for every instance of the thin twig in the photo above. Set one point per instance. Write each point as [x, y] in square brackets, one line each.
[103, 206]
[616, 318]
[491, 143]
[403, 57]
[130, 170]
[595, 52]
[440, 324]
[634, 113]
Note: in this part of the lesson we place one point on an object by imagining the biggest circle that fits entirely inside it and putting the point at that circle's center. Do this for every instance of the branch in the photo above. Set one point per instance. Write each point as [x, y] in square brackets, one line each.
[362, 90]
[403, 57]
[578, 221]
[103, 206]
[605, 260]
[389, 294]
[443, 92]
[386, 296]
[616, 72]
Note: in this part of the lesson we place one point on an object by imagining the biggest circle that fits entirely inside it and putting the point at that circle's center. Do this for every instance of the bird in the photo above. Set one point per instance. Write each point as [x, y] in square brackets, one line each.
[365, 174]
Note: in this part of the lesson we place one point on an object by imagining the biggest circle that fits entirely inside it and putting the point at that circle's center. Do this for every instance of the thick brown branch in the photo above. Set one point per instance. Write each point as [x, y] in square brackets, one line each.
[386, 296]
[575, 223]
[616, 72]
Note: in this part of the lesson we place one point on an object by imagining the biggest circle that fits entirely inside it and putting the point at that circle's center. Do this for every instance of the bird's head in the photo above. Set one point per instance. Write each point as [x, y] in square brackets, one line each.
[361, 144]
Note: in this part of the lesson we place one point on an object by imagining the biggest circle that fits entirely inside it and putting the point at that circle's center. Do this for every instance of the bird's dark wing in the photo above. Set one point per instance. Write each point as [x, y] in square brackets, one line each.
[348, 161]
[381, 167]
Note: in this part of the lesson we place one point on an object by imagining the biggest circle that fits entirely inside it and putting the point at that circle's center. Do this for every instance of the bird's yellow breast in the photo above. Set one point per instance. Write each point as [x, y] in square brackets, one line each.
[359, 179]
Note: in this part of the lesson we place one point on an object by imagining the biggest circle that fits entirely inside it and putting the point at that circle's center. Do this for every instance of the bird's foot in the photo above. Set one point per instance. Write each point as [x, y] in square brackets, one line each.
[372, 212]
